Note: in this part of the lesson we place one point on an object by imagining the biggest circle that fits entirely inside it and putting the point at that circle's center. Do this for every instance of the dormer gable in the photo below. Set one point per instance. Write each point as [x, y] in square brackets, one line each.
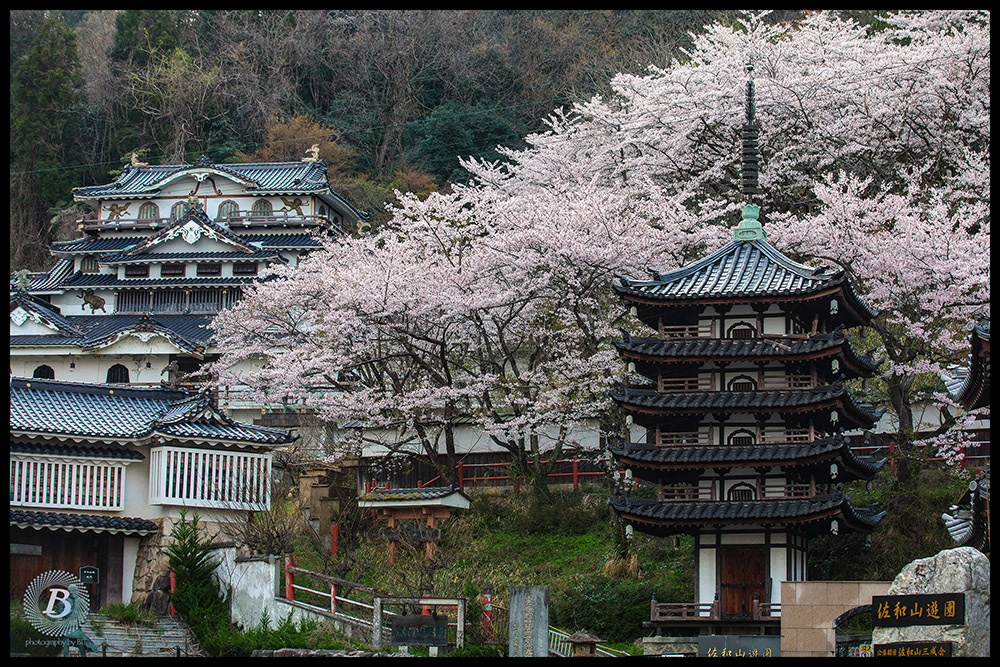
[191, 228]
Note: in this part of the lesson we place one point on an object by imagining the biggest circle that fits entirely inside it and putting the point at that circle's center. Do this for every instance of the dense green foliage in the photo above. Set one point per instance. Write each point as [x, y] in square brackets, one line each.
[205, 608]
[405, 92]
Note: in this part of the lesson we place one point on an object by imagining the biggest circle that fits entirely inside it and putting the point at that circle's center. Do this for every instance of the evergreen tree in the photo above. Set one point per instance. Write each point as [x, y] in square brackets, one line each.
[140, 34]
[45, 96]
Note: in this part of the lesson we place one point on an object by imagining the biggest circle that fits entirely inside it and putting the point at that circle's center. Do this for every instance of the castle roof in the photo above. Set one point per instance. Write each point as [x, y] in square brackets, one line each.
[57, 409]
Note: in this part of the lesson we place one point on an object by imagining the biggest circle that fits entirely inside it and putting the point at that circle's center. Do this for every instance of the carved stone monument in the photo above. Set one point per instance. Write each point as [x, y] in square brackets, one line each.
[963, 574]
[529, 622]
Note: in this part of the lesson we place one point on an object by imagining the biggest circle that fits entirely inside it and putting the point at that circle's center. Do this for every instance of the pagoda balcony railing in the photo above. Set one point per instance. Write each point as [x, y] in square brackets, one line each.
[786, 381]
[685, 438]
[686, 331]
[703, 438]
[707, 611]
[66, 482]
[787, 435]
[669, 385]
[759, 492]
[684, 611]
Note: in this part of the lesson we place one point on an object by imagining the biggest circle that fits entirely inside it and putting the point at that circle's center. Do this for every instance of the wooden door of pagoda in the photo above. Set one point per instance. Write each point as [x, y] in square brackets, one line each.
[742, 573]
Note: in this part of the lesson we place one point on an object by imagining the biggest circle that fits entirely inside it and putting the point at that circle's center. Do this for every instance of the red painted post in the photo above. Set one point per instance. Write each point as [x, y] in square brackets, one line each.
[487, 617]
[173, 587]
[334, 539]
[289, 580]
[576, 472]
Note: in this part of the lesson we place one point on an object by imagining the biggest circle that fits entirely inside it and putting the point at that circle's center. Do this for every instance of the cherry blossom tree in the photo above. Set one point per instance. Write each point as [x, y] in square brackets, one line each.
[491, 303]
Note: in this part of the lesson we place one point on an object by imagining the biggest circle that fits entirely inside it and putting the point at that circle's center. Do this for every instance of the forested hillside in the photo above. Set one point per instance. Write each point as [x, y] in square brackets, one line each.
[392, 97]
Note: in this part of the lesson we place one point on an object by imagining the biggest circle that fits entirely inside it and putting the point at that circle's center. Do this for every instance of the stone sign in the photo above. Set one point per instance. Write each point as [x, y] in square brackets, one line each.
[739, 646]
[899, 610]
[528, 625]
[963, 571]
[913, 650]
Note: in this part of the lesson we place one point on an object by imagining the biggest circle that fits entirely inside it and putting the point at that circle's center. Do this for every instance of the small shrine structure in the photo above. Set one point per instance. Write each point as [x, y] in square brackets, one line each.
[397, 506]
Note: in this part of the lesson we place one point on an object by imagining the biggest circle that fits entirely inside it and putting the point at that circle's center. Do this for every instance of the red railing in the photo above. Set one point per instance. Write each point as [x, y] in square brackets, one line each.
[464, 476]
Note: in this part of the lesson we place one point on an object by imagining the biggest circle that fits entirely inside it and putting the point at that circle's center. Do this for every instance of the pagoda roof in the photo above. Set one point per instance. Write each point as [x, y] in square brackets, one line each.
[671, 517]
[86, 523]
[968, 520]
[189, 333]
[655, 460]
[700, 350]
[652, 402]
[55, 409]
[302, 177]
[970, 386]
[741, 271]
[45, 281]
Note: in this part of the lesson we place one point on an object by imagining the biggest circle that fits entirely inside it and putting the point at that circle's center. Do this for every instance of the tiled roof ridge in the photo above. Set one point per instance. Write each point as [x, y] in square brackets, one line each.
[68, 386]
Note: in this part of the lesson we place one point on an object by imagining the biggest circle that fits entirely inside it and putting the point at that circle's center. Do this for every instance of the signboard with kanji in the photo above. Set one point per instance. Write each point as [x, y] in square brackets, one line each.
[419, 630]
[901, 610]
[739, 646]
[913, 650]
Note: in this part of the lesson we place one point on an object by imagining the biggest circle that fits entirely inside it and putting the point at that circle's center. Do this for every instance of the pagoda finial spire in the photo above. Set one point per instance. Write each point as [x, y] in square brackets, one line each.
[750, 228]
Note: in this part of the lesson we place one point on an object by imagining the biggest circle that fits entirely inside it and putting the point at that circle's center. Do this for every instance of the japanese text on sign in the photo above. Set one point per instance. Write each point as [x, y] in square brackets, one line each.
[902, 610]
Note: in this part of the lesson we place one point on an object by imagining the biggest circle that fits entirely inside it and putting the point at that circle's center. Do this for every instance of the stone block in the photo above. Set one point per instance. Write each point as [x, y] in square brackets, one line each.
[962, 570]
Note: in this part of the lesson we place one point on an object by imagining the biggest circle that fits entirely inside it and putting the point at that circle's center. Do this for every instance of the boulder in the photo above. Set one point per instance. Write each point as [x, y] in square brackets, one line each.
[962, 570]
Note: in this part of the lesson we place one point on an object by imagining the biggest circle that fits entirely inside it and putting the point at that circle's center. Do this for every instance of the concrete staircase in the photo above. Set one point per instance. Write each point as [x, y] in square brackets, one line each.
[168, 638]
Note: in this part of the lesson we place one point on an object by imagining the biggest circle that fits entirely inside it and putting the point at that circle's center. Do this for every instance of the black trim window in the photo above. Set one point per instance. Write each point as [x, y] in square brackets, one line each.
[245, 268]
[44, 372]
[137, 271]
[172, 270]
[210, 269]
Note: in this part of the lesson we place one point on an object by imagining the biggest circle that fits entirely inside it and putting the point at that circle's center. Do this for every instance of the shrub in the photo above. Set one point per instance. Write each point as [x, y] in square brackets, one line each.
[613, 609]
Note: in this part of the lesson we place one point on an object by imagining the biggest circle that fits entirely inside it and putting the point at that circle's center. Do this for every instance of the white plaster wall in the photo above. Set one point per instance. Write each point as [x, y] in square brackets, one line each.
[707, 584]
[130, 553]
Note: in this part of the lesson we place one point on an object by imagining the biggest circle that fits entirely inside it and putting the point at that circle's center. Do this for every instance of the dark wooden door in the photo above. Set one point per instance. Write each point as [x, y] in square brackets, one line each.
[66, 551]
[742, 573]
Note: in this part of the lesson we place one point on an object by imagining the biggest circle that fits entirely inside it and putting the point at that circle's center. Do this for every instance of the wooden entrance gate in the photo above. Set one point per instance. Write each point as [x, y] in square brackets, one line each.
[743, 574]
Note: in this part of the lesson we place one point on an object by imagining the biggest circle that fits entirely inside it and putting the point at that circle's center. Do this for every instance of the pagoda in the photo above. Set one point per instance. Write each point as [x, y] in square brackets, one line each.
[748, 422]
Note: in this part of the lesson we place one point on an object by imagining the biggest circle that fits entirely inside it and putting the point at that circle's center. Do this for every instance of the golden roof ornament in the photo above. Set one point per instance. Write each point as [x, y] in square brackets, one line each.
[135, 160]
[312, 155]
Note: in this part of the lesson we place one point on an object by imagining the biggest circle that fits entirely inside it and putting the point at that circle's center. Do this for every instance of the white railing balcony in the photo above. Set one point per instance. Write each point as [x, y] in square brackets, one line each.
[210, 478]
[67, 483]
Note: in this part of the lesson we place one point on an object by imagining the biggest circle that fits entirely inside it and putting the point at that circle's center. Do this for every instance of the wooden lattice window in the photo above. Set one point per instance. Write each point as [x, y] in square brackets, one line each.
[89, 264]
[67, 483]
[209, 478]
[742, 438]
[149, 211]
[117, 374]
[210, 269]
[262, 207]
[178, 210]
[743, 383]
[742, 331]
[742, 491]
[137, 271]
[172, 270]
[245, 268]
[228, 209]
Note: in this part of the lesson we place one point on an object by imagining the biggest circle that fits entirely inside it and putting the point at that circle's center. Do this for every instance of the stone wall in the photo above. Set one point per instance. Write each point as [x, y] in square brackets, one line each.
[808, 609]
[151, 581]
